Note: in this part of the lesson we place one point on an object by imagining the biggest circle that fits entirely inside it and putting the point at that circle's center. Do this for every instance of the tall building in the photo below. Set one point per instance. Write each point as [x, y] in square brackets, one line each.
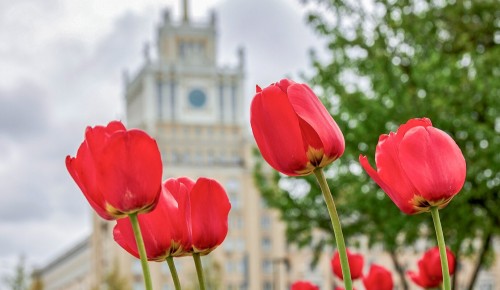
[196, 112]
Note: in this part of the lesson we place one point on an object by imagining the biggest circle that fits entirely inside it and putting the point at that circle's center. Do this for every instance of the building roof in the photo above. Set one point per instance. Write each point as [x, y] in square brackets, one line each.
[65, 256]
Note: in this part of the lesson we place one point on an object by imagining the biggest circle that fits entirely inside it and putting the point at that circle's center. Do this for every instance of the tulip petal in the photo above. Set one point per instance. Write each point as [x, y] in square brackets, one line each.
[155, 234]
[390, 170]
[355, 262]
[130, 171]
[82, 170]
[401, 201]
[412, 123]
[310, 109]
[378, 278]
[209, 211]
[434, 162]
[421, 280]
[124, 236]
[429, 273]
[97, 136]
[276, 129]
[176, 195]
[164, 230]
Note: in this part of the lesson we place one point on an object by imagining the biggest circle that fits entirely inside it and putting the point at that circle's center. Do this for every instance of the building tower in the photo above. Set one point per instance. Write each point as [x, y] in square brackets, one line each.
[196, 112]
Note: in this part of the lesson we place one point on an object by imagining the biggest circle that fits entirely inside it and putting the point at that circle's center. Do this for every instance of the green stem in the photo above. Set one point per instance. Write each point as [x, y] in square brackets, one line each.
[173, 272]
[142, 251]
[442, 248]
[337, 229]
[199, 270]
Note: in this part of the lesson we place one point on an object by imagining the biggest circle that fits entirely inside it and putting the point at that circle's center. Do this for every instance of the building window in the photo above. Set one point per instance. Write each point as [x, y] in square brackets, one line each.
[159, 94]
[240, 244]
[236, 222]
[233, 101]
[266, 244]
[267, 266]
[229, 266]
[265, 222]
[242, 266]
[190, 49]
[138, 286]
[240, 223]
[228, 244]
[267, 286]
[234, 199]
[233, 188]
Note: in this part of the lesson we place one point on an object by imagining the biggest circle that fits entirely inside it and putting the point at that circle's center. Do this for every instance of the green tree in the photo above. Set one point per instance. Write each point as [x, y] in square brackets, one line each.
[114, 280]
[19, 280]
[389, 61]
[36, 283]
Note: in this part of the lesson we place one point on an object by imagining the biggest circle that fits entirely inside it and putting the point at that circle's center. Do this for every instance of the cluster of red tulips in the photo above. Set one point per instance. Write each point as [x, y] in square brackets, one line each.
[429, 274]
[420, 167]
[119, 171]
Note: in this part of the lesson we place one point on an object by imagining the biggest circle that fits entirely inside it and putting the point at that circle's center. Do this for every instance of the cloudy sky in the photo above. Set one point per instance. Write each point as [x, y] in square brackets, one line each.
[61, 65]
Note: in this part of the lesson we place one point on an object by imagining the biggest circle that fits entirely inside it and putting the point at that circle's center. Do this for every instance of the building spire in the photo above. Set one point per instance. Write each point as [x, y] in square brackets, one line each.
[185, 17]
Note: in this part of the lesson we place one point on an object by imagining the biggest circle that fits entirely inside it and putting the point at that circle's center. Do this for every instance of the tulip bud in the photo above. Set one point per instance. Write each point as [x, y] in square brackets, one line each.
[355, 265]
[430, 274]
[379, 278]
[293, 130]
[419, 166]
[118, 170]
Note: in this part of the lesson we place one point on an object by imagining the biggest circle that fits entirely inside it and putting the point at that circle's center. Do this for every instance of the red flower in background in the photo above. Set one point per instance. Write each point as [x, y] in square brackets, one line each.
[190, 217]
[378, 278]
[430, 274]
[293, 130]
[118, 170]
[303, 285]
[419, 166]
[355, 265]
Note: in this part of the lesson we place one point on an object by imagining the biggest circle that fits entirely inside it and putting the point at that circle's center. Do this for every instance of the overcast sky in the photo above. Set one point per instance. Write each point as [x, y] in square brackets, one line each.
[61, 66]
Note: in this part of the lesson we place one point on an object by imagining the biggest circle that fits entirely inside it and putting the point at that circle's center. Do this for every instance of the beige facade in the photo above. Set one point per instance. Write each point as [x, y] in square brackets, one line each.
[70, 271]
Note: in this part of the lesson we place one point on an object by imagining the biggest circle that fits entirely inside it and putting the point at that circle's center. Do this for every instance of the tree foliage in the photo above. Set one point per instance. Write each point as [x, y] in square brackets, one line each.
[387, 62]
[19, 280]
[114, 280]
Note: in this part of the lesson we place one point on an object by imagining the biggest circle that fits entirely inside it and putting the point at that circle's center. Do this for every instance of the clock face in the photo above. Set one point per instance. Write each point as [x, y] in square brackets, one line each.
[197, 98]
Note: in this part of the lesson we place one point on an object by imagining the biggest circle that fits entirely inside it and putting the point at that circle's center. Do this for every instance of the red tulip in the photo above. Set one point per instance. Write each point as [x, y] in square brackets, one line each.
[189, 218]
[293, 130]
[379, 278]
[303, 285]
[430, 274]
[118, 170]
[419, 166]
[355, 265]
